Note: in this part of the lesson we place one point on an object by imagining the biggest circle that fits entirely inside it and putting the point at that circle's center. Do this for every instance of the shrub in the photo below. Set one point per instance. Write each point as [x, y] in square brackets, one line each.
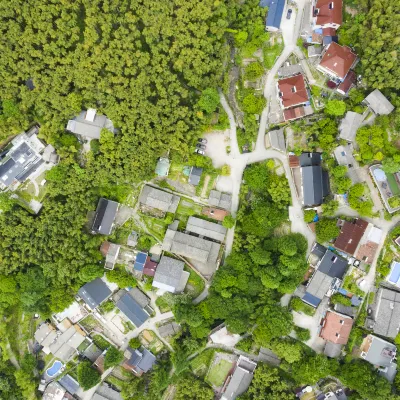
[327, 230]
[226, 170]
[228, 222]
[338, 298]
[297, 305]
[87, 376]
[107, 306]
[134, 343]
[302, 334]
[309, 216]
[121, 277]
[254, 71]
[113, 357]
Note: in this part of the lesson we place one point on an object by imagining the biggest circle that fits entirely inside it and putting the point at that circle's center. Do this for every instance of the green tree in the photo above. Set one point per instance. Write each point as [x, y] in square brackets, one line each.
[113, 357]
[209, 100]
[228, 222]
[309, 216]
[254, 71]
[121, 277]
[302, 334]
[190, 388]
[390, 165]
[329, 208]
[134, 343]
[335, 107]
[87, 376]
[326, 230]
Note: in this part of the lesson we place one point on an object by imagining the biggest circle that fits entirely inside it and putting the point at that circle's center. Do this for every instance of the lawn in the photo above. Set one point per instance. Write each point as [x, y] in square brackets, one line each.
[117, 383]
[100, 342]
[394, 187]
[83, 346]
[186, 208]
[200, 363]
[218, 372]
[270, 53]
[90, 322]
[176, 173]
[196, 283]
[156, 226]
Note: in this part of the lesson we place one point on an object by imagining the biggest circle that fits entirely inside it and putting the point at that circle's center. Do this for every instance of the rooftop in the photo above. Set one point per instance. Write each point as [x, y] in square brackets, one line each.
[156, 198]
[330, 12]
[292, 91]
[219, 199]
[168, 274]
[338, 59]
[348, 83]
[94, 293]
[141, 360]
[207, 229]
[377, 351]
[195, 175]
[275, 11]
[132, 310]
[162, 167]
[315, 184]
[379, 103]
[106, 212]
[336, 328]
[350, 235]
[277, 140]
[106, 392]
[349, 126]
[69, 383]
[294, 113]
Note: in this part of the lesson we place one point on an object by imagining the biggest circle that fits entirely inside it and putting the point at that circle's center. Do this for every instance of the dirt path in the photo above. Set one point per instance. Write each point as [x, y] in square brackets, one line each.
[205, 186]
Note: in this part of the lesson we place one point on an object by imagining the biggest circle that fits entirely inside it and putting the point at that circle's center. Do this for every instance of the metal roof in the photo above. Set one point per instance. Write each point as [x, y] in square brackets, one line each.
[141, 359]
[275, 12]
[132, 309]
[195, 175]
[387, 313]
[94, 293]
[168, 273]
[105, 215]
[140, 261]
[310, 159]
[219, 199]
[333, 265]
[379, 103]
[206, 228]
[69, 383]
[315, 185]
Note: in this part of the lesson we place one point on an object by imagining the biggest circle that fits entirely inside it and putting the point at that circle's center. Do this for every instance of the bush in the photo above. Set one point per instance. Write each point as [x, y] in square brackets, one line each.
[338, 298]
[134, 343]
[226, 170]
[145, 242]
[302, 334]
[107, 307]
[228, 222]
[297, 305]
[326, 230]
[309, 216]
[254, 71]
[121, 277]
[209, 100]
[335, 107]
[245, 344]
[113, 357]
[87, 376]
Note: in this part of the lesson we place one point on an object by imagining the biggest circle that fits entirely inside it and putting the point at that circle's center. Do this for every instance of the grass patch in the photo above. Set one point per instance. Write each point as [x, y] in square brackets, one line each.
[100, 342]
[90, 322]
[156, 226]
[297, 305]
[218, 372]
[163, 304]
[270, 54]
[197, 284]
[176, 173]
[351, 286]
[201, 363]
[394, 187]
[83, 346]
[117, 383]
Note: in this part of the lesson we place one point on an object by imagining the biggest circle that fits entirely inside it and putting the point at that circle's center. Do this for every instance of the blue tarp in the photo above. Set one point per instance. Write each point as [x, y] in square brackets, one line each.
[318, 31]
[316, 218]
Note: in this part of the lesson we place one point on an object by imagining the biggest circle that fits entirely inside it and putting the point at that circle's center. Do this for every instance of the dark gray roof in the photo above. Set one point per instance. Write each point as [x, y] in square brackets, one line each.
[142, 359]
[132, 310]
[318, 250]
[106, 392]
[69, 384]
[310, 159]
[346, 310]
[195, 175]
[275, 11]
[315, 185]
[333, 265]
[94, 293]
[105, 215]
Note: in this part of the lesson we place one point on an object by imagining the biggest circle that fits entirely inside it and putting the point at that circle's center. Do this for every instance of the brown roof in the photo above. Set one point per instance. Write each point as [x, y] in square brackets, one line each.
[293, 113]
[347, 84]
[338, 59]
[350, 235]
[336, 328]
[367, 252]
[215, 213]
[149, 267]
[316, 38]
[105, 246]
[99, 363]
[330, 12]
[294, 161]
[293, 91]
[328, 32]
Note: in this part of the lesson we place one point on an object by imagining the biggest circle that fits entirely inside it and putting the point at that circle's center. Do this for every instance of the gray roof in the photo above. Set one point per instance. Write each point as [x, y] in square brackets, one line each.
[169, 329]
[333, 350]
[315, 185]
[377, 352]
[314, 51]
[310, 159]
[92, 353]
[379, 103]
[53, 391]
[105, 215]
[346, 310]
[89, 129]
[218, 199]
[142, 359]
[94, 293]
[69, 383]
[387, 313]
[132, 309]
[195, 175]
[349, 126]
[106, 392]
[277, 140]
[159, 199]
[333, 265]
[66, 344]
[289, 70]
[139, 297]
[206, 228]
[318, 287]
[43, 331]
[169, 272]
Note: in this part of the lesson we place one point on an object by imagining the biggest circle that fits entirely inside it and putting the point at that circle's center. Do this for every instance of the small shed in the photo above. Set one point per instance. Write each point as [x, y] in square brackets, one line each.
[162, 168]
[195, 175]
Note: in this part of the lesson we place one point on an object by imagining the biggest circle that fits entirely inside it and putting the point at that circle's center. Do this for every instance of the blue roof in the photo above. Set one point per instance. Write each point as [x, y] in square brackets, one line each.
[132, 310]
[275, 12]
[311, 299]
[140, 261]
[69, 384]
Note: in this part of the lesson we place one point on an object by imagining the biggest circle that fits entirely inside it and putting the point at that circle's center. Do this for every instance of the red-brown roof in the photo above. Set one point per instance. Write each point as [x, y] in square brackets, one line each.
[338, 59]
[329, 32]
[149, 267]
[294, 113]
[316, 38]
[293, 91]
[105, 246]
[330, 12]
[350, 235]
[347, 84]
[215, 213]
[336, 328]
[294, 161]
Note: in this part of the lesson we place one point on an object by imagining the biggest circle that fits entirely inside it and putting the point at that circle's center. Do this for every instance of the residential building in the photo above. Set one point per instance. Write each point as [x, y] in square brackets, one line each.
[106, 392]
[327, 278]
[158, 199]
[274, 15]
[348, 83]
[349, 126]
[327, 14]
[103, 221]
[336, 327]
[134, 304]
[219, 199]
[170, 275]
[288, 69]
[369, 244]
[195, 175]
[329, 35]
[378, 103]
[350, 235]
[238, 383]
[110, 251]
[169, 329]
[69, 384]
[74, 313]
[150, 267]
[346, 310]
[344, 156]
[337, 61]
[54, 391]
[162, 167]
[138, 361]
[88, 125]
[206, 229]
[99, 362]
[25, 159]
[314, 180]
[381, 354]
[277, 140]
[94, 293]
[45, 335]
[140, 261]
[132, 239]
[384, 314]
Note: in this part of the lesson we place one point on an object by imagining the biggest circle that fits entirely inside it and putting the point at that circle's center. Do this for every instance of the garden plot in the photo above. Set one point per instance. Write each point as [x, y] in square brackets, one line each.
[219, 369]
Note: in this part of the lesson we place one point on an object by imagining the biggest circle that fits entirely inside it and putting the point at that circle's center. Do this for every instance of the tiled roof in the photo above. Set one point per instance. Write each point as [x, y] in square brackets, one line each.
[338, 59]
[348, 83]
[293, 113]
[293, 90]
[336, 328]
[350, 235]
[330, 12]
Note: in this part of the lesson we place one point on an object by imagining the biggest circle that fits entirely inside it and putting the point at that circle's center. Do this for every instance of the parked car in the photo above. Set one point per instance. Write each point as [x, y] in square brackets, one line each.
[289, 13]
[202, 140]
[201, 146]
[199, 151]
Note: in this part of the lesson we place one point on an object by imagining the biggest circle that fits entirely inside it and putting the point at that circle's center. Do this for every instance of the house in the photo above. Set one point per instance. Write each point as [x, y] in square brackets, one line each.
[327, 14]
[132, 239]
[170, 275]
[150, 267]
[277, 140]
[292, 92]
[344, 156]
[106, 392]
[45, 335]
[350, 235]
[69, 384]
[94, 293]
[54, 391]
[329, 35]
[169, 329]
[136, 311]
[337, 61]
[23, 159]
[336, 327]
[195, 175]
[238, 383]
[191, 247]
[110, 251]
[326, 279]
[349, 125]
[206, 229]
[88, 125]
[99, 362]
[346, 310]
[140, 261]
[384, 315]
[378, 103]
[104, 217]
[369, 244]
[314, 180]
[381, 354]
[219, 199]
[348, 83]
[138, 361]
[158, 199]
[274, 15]
[162, 167]
[288, 69]
[74, 313]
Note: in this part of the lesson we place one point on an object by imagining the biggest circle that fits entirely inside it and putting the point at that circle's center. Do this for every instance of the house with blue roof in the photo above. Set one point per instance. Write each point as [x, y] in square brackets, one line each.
[275, 12]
